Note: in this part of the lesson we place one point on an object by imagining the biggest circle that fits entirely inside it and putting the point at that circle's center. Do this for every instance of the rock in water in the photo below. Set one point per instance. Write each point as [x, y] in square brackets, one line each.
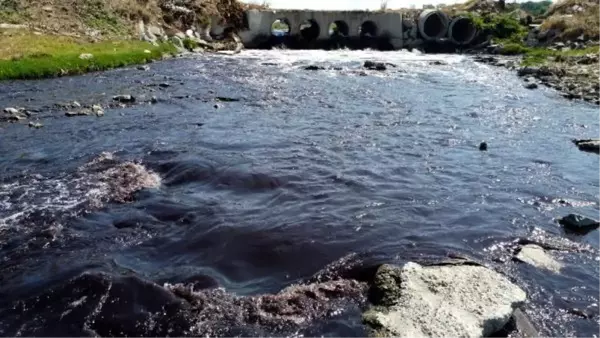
[374, 65]
[12, 111]
[591, 145]
[313, 67]
[483, 146]
[531, 85]
[124, 98]
[35, 125]
[578, 223]
[441, 301]
[538, 257]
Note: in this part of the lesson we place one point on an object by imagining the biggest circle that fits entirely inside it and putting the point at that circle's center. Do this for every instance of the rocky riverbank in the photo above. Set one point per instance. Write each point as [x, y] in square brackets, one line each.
[576, 77]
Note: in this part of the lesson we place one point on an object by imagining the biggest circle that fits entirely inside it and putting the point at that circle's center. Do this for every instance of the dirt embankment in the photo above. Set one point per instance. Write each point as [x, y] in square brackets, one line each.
[109, 19]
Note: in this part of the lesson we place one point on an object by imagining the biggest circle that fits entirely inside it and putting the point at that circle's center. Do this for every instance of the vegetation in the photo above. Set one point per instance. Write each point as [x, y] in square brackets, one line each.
[574, 18]
[25, 56]
[502, 26]
[536, 8]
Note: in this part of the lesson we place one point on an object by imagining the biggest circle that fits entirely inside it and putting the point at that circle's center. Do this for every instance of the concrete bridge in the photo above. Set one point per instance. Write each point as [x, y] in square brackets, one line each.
[310, 29]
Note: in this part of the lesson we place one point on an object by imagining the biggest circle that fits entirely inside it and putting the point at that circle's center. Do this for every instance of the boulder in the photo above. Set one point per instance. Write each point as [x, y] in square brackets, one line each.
[536, 255]
[155, 31]
[371, 65]
[591, 145]
[76, 113]
[314, 67]
[12, 111]
[124, 98]
[35, 125]
[531, 85]
[483, 146]
[441, 301]
[144, 68]
[86, 56]
[437, 63]
[97, 109]
[535, 71]
[578, 223]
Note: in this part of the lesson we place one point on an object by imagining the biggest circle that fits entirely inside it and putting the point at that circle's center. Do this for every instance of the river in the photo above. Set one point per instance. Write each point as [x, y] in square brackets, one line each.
[301, 169]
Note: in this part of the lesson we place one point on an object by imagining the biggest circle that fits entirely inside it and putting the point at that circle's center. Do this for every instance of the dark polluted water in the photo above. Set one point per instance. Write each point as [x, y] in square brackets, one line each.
[265, 215]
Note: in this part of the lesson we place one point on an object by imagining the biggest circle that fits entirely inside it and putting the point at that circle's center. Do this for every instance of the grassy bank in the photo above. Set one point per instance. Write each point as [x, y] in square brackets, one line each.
[537, 56]
[24, 55]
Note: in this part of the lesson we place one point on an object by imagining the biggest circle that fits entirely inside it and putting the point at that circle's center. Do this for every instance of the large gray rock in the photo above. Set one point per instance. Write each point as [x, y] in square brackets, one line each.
[579, 223]
[591, 145]
[536, 255]
[441, 301]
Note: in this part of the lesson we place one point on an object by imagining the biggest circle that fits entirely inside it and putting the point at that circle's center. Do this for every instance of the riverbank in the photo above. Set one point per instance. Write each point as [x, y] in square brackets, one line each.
[24, 55]
[574, 73]
[70, 37]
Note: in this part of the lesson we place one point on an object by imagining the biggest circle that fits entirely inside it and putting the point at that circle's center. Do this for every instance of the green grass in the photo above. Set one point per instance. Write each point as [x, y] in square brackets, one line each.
[26, 56]
[539, 56]
[190, 44]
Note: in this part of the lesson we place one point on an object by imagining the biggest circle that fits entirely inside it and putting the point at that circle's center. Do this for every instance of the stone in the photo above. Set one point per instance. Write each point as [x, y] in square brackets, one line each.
[216, 106]
[76, 104]
[75, 113]
[531, 85]
[190, 34]
[155, 30]
[35, 125]
[483, 146]
[591, 145]
[438, 63]
[164, 85]
[124, 98]
[146, 51]
[154, 100]
[226, 99]
[374, 65]
[86, 56]
[578, 223]
[97, 109]
[313, 67]
[144, 68]
[536, 255]
[441, 301]
[12, 26]
[12, 111]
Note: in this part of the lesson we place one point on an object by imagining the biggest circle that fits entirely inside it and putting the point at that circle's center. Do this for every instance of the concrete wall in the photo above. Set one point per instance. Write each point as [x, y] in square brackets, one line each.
[260, 22]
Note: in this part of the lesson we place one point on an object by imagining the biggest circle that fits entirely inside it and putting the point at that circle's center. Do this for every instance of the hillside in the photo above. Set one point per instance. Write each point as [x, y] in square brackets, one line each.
[573, 19]
[102, 19]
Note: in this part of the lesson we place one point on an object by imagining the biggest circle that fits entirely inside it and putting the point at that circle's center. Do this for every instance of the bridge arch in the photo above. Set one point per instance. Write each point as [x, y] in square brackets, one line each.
[339, 28]
[310, 30]
[368, 29]
[281, 27]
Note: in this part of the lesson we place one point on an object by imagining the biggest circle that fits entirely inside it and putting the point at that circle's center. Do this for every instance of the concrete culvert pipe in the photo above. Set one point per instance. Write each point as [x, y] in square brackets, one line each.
[433, 24]
[462, 31]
